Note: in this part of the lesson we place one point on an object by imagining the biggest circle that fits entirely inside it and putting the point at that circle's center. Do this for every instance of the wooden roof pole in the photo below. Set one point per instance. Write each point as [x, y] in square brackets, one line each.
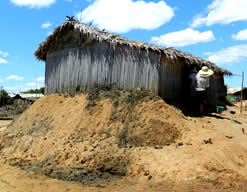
[241, 104]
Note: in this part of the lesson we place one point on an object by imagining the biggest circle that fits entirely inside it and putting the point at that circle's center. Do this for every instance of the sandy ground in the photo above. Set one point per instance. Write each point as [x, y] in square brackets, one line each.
[15, 180]
[4, 124]
[209, 153]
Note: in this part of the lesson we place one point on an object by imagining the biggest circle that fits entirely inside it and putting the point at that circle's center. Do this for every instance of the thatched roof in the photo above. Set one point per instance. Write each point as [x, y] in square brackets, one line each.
[99, 35]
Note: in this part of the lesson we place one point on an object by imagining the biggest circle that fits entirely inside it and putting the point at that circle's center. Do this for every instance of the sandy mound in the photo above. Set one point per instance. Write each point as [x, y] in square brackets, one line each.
[105, 135]
[92, 132]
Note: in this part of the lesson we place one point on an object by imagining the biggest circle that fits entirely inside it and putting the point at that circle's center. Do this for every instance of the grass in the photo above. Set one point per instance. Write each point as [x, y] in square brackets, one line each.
[229, 100]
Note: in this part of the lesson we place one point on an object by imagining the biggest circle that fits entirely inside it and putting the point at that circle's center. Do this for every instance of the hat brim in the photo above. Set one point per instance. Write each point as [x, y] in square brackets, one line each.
[206, 73]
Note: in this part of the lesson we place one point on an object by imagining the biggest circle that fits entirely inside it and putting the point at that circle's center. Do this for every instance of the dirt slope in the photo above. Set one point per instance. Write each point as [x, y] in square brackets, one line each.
[92, 131]
[106, 135]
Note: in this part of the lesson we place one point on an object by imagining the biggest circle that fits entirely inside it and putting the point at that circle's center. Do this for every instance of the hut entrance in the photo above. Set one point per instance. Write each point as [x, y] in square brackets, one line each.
[191, 101]
[177, 84]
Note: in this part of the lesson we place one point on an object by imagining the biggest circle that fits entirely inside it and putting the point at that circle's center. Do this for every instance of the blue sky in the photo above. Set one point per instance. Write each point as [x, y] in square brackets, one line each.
[212, 29]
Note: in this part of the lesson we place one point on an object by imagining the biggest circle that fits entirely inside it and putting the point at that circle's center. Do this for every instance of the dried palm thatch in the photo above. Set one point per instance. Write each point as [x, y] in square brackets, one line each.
[99, 35]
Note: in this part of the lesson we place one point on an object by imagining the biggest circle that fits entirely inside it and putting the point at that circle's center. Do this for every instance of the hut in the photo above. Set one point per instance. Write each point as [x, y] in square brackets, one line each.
[24, 99]
[79, 58]
[238, 93]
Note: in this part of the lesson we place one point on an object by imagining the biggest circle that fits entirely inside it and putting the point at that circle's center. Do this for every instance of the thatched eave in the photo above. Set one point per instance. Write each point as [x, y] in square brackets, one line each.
[98, 35]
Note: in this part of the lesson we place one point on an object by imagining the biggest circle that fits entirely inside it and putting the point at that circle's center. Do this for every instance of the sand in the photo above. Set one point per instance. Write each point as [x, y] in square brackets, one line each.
[4, 124]
[116, 138]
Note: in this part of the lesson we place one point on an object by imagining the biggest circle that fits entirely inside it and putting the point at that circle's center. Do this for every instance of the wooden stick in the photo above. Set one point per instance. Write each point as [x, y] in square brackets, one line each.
[241, 108]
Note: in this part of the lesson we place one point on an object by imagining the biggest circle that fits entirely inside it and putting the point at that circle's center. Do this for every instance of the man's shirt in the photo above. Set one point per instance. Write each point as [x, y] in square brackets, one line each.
[202, 83]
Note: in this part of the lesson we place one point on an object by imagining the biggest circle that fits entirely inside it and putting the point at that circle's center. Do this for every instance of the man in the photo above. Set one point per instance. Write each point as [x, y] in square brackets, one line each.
[202, 80]
[192, 81]
[191, 105]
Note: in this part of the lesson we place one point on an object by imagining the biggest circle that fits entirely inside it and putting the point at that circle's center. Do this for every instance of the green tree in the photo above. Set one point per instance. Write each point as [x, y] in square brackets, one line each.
[41, 90]
[3, 96]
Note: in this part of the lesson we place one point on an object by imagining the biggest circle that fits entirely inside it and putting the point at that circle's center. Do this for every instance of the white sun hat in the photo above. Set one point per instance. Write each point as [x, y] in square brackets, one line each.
[205, 72]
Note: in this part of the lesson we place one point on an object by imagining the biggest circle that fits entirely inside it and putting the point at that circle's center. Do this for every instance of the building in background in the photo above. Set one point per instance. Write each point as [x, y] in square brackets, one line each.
[24, 99]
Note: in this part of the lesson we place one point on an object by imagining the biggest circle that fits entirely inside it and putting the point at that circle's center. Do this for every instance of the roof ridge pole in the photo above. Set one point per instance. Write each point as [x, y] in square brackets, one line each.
[1, 89]
[80, 16]
[241, 104]
[36, 86]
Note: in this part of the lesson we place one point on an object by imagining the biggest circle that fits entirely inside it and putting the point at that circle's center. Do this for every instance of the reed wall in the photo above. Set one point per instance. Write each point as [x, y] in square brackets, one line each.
[101, 65]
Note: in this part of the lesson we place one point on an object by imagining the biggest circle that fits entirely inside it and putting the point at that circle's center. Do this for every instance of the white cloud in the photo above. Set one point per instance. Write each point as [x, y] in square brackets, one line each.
[33, 3]
[3, 61]
[4, 54]
[223, 12]
[21, 88]
[183, 38]
[11, 88]
[32, 84]
[38, 83]
[125, 15]
[241, 35]
[40, 79]
[229, 55]
[46, 25]
[15, 77]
